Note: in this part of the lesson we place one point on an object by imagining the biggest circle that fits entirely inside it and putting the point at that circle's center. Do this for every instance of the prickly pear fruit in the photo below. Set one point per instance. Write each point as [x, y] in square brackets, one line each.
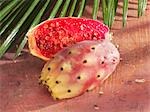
[50, 36]
[80, 67]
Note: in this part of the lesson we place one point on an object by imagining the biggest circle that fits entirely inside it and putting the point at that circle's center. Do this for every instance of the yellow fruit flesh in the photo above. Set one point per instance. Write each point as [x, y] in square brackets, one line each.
[66, 91]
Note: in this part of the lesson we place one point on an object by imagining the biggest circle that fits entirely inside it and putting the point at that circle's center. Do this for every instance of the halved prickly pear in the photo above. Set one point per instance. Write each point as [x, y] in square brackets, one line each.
[50, 36]
[79, 68]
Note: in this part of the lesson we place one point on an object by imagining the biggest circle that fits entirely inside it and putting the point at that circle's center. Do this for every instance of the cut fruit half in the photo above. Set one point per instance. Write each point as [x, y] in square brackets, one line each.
[47, 38]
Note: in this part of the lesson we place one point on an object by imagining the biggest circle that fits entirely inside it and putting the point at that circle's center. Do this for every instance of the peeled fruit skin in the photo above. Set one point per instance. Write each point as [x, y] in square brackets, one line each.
[80, 67]
[52, 35]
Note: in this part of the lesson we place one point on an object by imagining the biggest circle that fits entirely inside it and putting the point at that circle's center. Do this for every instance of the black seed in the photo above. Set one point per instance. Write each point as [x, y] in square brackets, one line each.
[39, 76]
[69, 52]
[95, 106]
[85, 61]
[87, 90]
[61, 68]
[102, 62]
[57, 82]
[49, 68]
[57, 98]
[69, 90]
[78, 77]
[98, 76]
[53, 57]
[114, 61]
[93, 48]
[45, 81]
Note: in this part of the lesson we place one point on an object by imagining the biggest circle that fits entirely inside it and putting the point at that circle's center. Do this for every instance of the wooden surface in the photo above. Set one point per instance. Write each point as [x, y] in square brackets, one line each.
[20, 92]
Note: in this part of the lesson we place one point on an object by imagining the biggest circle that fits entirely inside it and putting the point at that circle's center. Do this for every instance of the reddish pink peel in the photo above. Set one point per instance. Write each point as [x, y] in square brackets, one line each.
[80, 67]
[52, 35]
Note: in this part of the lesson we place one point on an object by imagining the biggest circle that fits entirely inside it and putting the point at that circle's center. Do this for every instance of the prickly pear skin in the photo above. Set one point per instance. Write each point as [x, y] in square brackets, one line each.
[80, 67]
[52, 35]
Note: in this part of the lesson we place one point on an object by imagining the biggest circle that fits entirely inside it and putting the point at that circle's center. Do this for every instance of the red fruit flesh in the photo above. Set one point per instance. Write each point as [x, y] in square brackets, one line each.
[50, 36]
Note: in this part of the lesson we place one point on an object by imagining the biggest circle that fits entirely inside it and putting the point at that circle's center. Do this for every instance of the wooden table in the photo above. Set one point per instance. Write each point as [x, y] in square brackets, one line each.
[20, 92]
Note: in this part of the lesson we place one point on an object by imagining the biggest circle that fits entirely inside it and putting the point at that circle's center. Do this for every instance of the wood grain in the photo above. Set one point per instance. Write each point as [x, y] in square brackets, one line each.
[20, 92]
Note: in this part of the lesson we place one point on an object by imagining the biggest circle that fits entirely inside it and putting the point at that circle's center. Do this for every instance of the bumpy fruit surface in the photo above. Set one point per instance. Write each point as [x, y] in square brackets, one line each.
[50, 36]
[80, 67]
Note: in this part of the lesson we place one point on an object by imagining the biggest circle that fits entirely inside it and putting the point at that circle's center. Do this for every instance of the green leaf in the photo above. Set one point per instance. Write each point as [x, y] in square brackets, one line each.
[55, 9]
[104, 11]
[3, 29]
[11, 15]
[139, 7]
[15, 19]
[21, 46]
[4, 3]
[116, 4]
[72, 8]
[95, 9]
[39, 16]
[145, 5]
[34, 23]
[8, 9]
[125, 12]
[11, 38]
[64, 9]
[142, 4]
[81, 8]
[110, 13]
